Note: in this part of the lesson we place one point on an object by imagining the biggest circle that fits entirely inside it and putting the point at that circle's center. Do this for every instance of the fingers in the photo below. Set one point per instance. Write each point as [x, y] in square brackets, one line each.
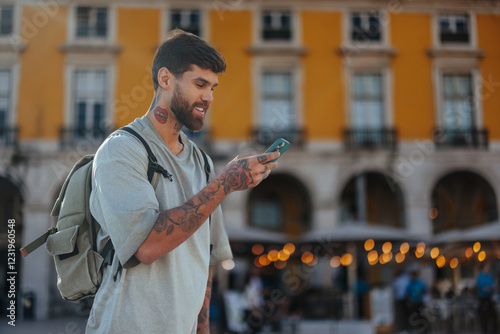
[265, 158]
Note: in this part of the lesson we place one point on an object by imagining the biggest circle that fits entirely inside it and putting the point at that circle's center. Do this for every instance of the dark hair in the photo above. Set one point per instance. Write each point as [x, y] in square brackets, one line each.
[180, 50]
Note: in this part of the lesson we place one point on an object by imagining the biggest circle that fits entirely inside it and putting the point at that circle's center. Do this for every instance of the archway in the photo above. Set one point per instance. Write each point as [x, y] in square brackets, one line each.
[281, 203]
[372, 198]
[462, 199]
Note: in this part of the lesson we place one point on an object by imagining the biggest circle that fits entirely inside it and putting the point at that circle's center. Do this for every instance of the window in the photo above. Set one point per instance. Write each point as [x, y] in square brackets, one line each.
[366, 27]
[458, 110]
[6, 20]
[5, 90]
[367, 103]
[276, 25]
[91, 22]
[90, 100]
[277, 111]
[185, 19]
[454, 28]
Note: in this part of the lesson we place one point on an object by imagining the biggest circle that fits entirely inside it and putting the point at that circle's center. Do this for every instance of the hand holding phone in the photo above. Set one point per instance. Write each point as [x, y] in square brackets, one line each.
[280, 145]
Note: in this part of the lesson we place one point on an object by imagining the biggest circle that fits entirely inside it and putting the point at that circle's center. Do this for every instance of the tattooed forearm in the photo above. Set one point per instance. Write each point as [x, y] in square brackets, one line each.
[237, 177]
[188, 217]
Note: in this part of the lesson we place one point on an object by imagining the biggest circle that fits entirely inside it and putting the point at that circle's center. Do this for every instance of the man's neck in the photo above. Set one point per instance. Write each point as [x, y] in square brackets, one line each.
[169, 131]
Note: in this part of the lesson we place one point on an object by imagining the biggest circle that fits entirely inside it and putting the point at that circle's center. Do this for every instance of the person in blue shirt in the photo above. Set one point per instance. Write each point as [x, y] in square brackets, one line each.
[399, 287]
[485, 287]
[415, 293]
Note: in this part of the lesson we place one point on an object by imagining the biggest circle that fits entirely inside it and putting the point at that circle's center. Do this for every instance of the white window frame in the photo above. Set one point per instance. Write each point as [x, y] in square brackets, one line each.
[166, 18]
[347, 27]
[13, 41]
[436, 32]
[457, 66]
[73, 39]
[69, 115]
[265, 64]
[371, 65]
[296, 28]
[13, 68]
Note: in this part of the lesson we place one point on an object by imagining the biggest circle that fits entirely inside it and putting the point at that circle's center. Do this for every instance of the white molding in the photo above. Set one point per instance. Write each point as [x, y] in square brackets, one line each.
[296, 26]
[347, 41]
[165, 17]
[92, 41]
[457, 66]
[290, 64]
[472, 45]
[377, 65]
[110, 69]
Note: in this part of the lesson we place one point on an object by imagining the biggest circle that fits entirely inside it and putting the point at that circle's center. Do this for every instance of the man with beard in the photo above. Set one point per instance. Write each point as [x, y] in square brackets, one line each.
[167, 234]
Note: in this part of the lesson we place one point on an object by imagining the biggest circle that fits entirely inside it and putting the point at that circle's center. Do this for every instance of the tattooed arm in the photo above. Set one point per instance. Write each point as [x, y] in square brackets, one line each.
[203, 317]
[176, 225]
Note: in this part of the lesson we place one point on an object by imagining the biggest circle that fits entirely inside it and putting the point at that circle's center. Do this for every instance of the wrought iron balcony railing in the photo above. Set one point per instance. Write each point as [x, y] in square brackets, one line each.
[85, 137]
[9, 136]
[370, 139]
[461, 138]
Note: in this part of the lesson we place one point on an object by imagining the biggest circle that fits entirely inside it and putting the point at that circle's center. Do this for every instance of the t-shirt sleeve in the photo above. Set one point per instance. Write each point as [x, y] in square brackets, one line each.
[218, 237]
[123, 201]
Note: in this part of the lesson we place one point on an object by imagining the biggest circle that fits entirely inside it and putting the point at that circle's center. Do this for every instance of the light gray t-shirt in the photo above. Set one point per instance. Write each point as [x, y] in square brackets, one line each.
[166, 296]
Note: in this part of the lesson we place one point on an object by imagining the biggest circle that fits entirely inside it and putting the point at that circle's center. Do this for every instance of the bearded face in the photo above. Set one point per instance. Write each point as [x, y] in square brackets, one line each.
[192, 116]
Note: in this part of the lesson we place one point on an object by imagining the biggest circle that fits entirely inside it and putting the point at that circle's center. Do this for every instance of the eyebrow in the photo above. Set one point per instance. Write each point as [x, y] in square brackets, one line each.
[206, 81]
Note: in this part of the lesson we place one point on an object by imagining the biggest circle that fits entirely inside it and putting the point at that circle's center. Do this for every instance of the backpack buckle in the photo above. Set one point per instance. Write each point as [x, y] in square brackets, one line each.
[155, 167]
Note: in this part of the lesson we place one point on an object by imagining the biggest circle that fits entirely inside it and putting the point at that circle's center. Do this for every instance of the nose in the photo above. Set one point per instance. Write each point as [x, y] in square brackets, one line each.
[208, 97]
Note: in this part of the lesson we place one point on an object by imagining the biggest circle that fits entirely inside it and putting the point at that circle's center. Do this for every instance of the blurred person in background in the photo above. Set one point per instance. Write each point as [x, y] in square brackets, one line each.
[400, 286]
[415, 293]
[485, 288]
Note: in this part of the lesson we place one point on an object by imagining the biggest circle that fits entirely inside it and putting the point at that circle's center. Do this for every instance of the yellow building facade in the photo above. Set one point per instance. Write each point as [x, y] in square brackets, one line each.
[388, 107]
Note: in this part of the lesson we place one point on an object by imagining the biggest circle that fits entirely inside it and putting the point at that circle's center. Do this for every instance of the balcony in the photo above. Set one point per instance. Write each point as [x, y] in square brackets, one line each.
[461, 138]
[267, 136]
[85, 138]
[9, 136]
[370, 139]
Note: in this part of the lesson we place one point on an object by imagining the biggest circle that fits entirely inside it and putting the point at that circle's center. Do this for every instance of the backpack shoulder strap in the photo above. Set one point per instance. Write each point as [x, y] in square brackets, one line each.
[153, 165]
[208, 170]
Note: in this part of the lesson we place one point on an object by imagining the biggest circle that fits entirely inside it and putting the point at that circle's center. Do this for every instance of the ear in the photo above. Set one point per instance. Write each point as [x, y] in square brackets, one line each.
[165, 78]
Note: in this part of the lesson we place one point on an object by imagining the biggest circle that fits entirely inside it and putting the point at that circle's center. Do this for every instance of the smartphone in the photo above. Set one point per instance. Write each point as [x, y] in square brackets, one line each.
[281, 145]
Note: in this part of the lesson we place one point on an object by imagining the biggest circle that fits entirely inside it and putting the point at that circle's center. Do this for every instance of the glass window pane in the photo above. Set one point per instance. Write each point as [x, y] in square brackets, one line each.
[6, 20]
[101, 22]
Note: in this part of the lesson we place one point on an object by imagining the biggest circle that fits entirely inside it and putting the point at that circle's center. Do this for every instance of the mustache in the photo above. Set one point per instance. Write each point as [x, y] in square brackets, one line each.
[201, 105]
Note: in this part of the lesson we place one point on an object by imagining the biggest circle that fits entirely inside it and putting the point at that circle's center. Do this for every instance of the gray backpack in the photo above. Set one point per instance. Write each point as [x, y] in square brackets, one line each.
[72, 243]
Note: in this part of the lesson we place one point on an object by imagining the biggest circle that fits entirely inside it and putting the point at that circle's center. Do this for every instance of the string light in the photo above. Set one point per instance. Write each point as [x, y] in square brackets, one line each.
[441, 261]
[346, 259]
[400, 257]
[335, 262]
[273, 255]
[386, 247]
[454, 263]
[289, 248]
[481, 256]
[228, 264]
[434, 252]
[369, 244]
[477, 247]
[404, 248]
[257, 249]
[307, 257]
